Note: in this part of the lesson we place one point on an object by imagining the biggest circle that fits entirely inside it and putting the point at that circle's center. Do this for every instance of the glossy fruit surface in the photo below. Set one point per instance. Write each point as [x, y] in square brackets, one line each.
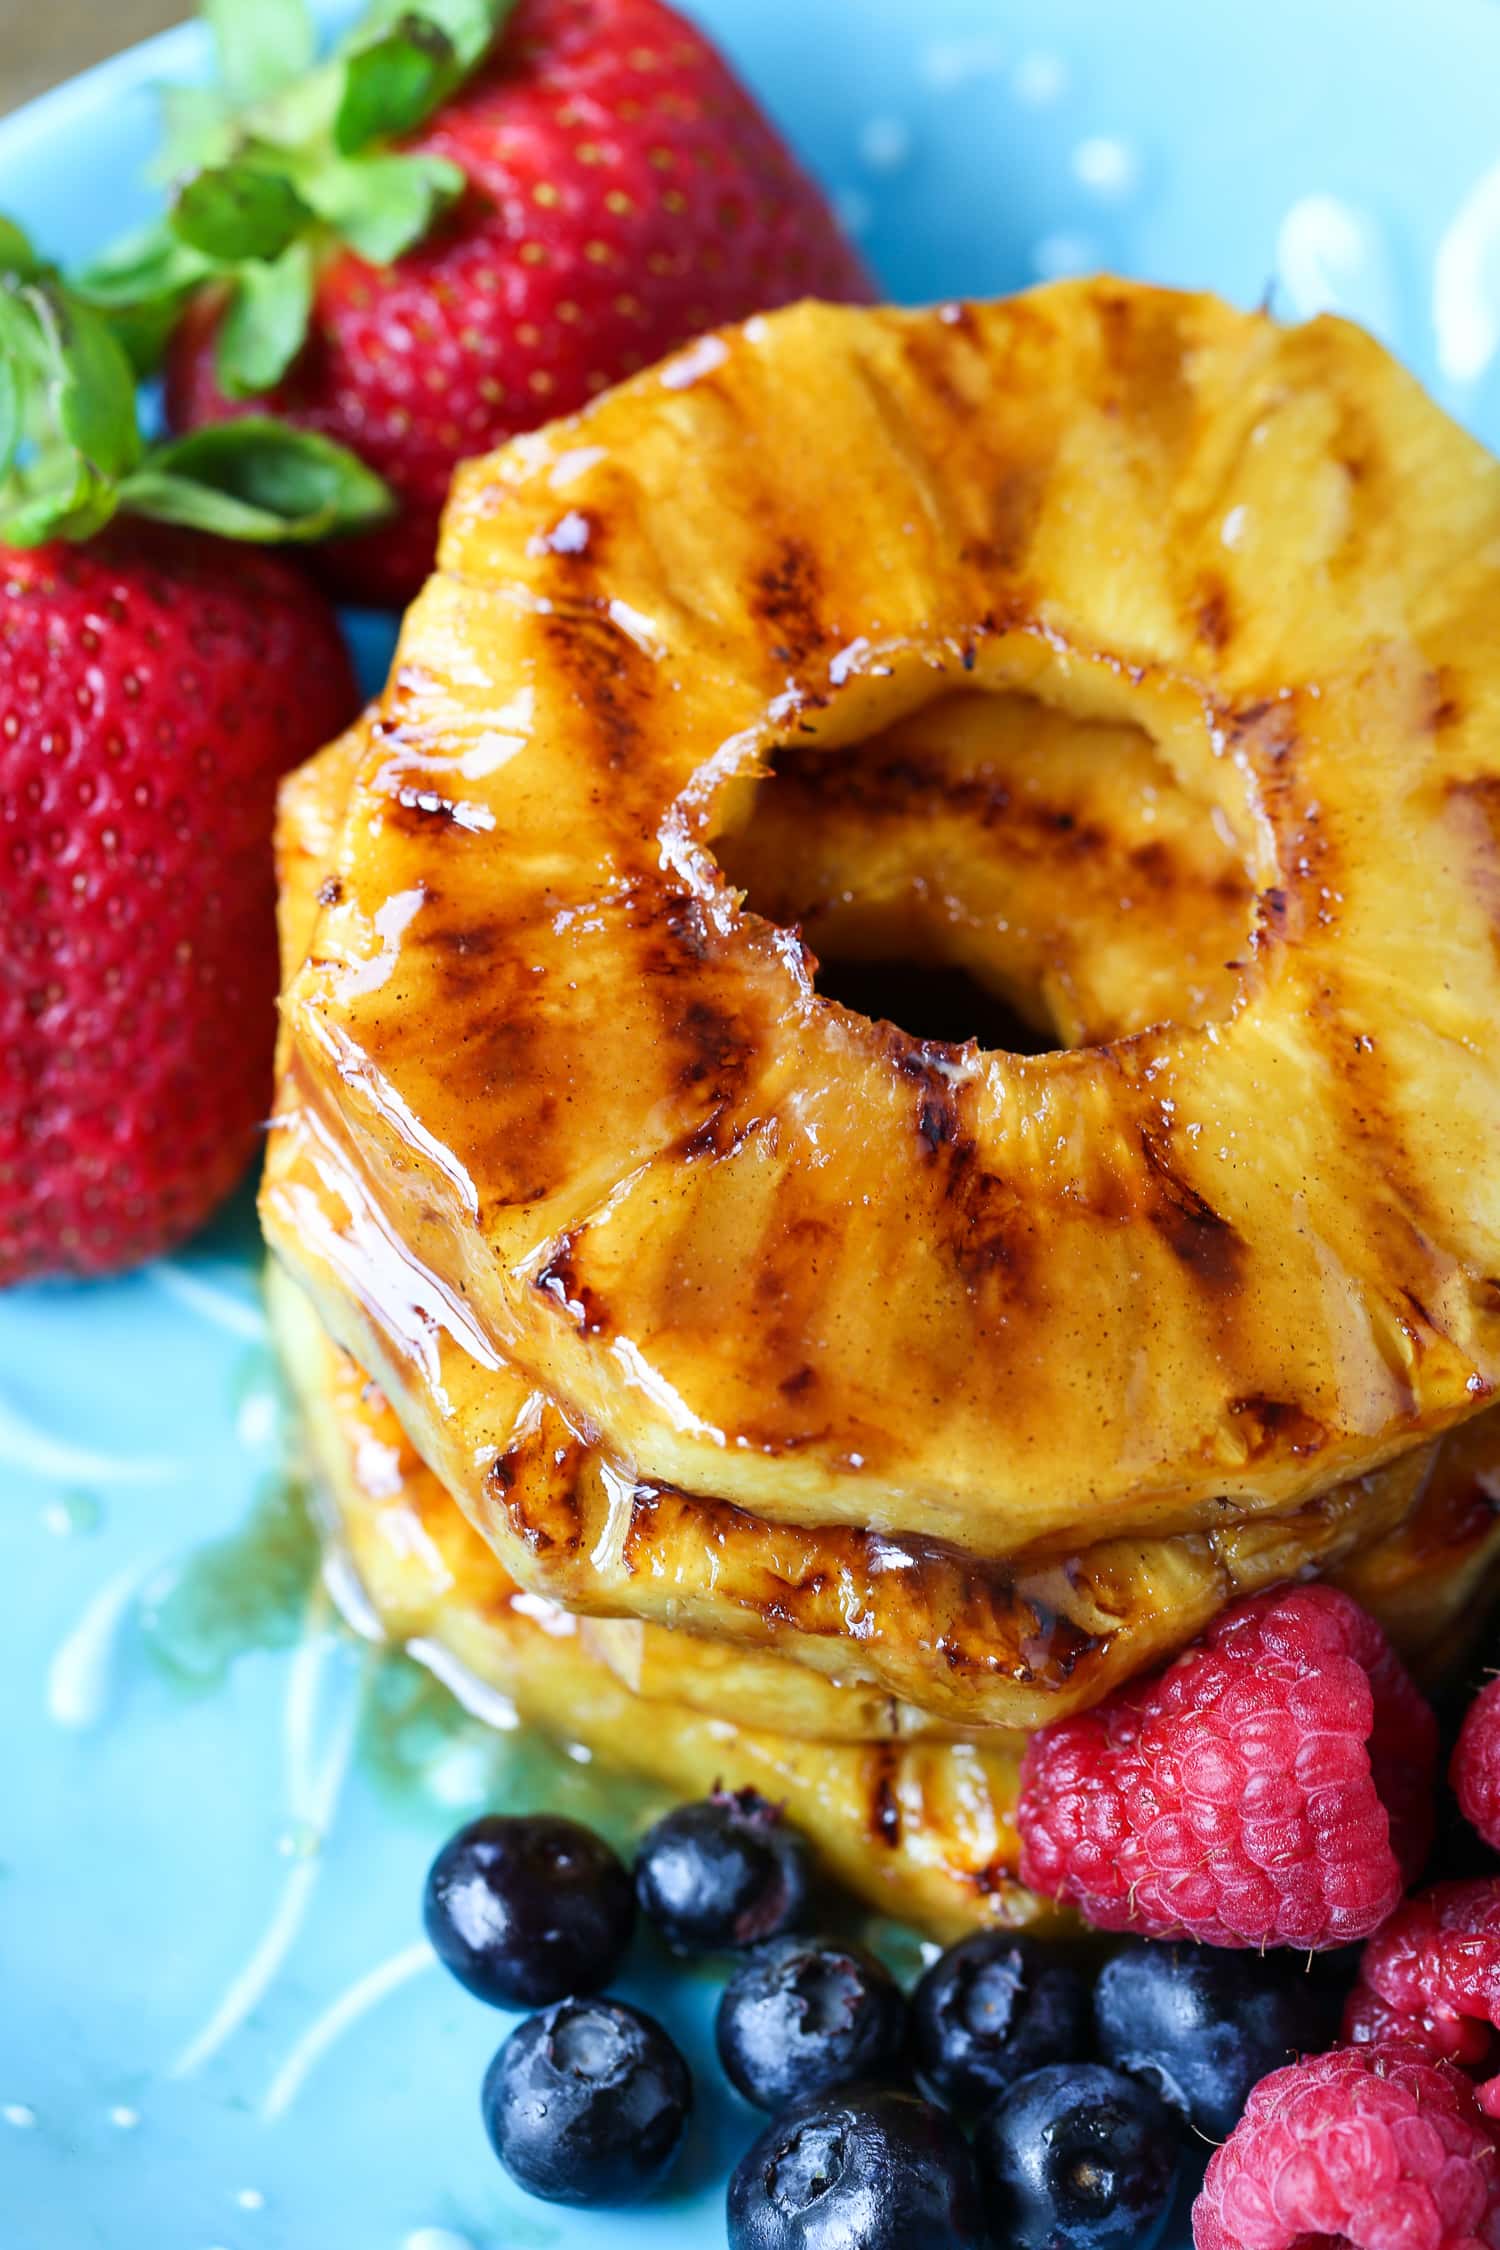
[803, 2014]
[993, 2008]
[525, 1910]
[1077, 2157]
[1203, 2025]
[727, 1872]
[587, 2103]
[858, 2170]
[154, 686]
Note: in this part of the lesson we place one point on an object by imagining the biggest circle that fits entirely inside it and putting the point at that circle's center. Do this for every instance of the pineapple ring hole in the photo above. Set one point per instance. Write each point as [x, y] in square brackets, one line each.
[998, 869]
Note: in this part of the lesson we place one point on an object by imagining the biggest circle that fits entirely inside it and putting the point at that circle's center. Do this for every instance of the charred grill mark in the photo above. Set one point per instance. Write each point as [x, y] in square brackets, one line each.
[718, 1136]
[1271, 1425]
[993, 1880]
[1056, 1648]
[1213, 615]
[717, 1043]
[884, 1815]
[903, 785]
[466, 957]
[559, 1280]
[1473, 805]
[937, 1118]
[787, 597]
[799, 1384]
[605, 667]
[992, 1232]
[477, 941]
[539, 1496]
[1190, 1226]
[1273, 909]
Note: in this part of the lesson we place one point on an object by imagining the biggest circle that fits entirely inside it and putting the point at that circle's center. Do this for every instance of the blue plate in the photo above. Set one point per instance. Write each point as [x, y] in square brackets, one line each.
[218, 2027]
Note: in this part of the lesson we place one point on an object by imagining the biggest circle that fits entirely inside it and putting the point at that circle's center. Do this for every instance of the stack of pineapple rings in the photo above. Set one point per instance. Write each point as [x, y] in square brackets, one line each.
[766, 1393]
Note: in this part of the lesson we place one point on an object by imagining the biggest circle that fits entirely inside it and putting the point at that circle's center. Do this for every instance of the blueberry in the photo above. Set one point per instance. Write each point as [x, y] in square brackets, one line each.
[1203, 2025]
[587, 2103]
[1077, 2157]
[868, 2168]
[524, 1911]
[992, 2009]
[801, 2015]
[724, 1873]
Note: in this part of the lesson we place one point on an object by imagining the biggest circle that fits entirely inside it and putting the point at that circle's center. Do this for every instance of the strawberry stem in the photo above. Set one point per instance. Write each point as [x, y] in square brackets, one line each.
[285, 158]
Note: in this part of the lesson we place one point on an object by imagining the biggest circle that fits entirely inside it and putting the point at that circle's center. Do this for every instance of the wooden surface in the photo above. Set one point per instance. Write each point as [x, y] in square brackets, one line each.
[42, 41]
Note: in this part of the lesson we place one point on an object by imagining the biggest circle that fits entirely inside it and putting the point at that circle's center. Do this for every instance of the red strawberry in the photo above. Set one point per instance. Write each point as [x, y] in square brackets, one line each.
[153, 685]
[621, 192]
[154, 682]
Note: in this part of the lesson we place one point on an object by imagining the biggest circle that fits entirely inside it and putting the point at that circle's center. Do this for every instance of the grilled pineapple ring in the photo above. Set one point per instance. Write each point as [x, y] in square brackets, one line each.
[921, 1830]
[780, 1253]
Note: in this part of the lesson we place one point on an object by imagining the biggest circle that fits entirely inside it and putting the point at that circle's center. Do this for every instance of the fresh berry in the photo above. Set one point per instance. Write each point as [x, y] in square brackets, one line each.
[154, 685]
[993, 2008]
[801, 2015]
[622, 192]
[725, 1873]
[588, 2103]
[1432, 1976]
[863, 2169]
[1077, 2157]
[1475, 1771]
[1267, 1788]
[1203, 2026]
[1362, 2146]
[1370, 2021]
[527, 1910]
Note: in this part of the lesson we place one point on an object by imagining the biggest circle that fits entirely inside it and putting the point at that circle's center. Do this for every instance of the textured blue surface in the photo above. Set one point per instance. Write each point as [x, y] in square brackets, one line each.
[216, 1807]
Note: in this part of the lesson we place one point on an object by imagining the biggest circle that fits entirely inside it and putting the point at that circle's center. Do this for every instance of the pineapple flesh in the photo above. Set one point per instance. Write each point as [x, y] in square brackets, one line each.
[1126, 652]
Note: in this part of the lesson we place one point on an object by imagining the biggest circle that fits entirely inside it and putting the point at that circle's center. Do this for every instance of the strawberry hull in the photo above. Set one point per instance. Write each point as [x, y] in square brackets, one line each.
[624, 193]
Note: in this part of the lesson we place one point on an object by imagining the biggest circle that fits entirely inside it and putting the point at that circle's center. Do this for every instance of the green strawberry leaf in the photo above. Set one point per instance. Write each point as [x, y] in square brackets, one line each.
[61, 506]
[141, 286]
[266, 323]
[471, 26]
[198, 130]
[391, 85]
[286, 151]
[239, 211]
[16, 254]
[257, 480]
[12, 408]
[262, 45]
[90, 381]
[383, 205]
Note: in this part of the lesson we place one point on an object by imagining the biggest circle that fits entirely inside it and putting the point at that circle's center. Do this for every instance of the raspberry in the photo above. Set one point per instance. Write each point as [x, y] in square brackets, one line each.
[1475, 1771]
[1432, 1976]
[1269, 1787]
[1372, 2148]
[1370, 2021]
